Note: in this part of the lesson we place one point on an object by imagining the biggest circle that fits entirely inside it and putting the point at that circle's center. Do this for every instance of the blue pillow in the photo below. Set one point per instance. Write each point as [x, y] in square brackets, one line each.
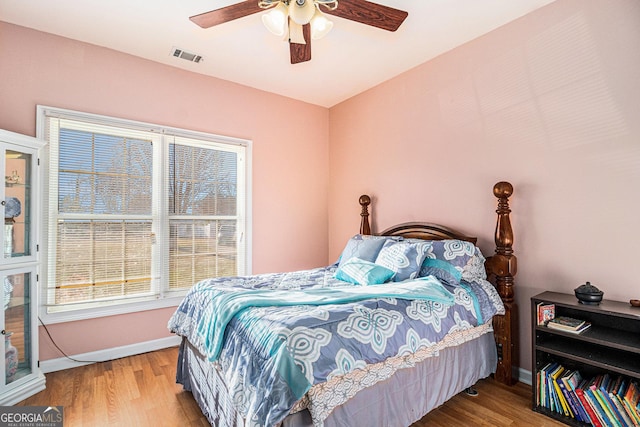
[442, 270]
[446, 260]
[365, 247]
[362, 272]
[405, 258]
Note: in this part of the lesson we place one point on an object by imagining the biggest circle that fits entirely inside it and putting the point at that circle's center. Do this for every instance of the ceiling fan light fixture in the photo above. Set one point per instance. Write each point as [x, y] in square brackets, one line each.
[291, 19]
[320, 25]
[276, 19]
[301, 11]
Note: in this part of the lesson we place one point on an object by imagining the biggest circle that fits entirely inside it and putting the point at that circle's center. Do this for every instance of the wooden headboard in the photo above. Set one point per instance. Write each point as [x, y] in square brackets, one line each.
[501, 269]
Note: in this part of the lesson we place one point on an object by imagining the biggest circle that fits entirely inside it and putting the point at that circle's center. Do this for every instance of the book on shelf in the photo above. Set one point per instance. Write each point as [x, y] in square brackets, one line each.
[573, 380]
[621, 412]
[593, 418]
[632, 394]
[546, 312]
[599, 389]
[545, 396]
[611, 408]
[597, 407]
[612, 404]
[604, 400]
[585, 410]
[564, 405]
[635, 416]
[631, 397]
[574, 411]
[597, 380]
[605, 382]
[540, 380]
[580, 330]
[568, 324]
[538, 394]
[616, 385]
[570, 380]
[556, 405]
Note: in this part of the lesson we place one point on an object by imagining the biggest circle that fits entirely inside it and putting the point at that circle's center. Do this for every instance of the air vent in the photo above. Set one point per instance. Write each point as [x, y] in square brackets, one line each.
[183, 54]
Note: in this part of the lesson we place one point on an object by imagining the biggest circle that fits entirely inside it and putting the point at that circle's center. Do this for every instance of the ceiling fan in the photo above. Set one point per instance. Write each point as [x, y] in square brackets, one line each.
[299, 21]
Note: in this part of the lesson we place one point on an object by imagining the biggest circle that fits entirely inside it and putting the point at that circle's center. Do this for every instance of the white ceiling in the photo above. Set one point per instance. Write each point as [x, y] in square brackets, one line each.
[352, 58]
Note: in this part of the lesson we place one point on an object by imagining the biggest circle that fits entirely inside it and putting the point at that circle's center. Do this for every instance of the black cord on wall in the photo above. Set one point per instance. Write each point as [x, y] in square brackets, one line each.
[62, 351]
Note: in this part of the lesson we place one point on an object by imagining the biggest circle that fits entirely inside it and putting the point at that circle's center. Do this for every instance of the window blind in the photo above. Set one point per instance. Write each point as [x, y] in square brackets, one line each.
[100, 219]
[202, 211]
[138, 212]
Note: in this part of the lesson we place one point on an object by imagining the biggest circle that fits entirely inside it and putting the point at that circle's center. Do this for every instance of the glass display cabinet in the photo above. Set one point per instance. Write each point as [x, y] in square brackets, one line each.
[20, 376]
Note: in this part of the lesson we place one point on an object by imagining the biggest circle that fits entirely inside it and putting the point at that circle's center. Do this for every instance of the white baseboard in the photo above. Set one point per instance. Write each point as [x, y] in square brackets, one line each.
[524, 376]
[61, 363]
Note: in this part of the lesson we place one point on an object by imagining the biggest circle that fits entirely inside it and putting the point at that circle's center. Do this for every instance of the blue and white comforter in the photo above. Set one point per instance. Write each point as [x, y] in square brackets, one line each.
[271, 355]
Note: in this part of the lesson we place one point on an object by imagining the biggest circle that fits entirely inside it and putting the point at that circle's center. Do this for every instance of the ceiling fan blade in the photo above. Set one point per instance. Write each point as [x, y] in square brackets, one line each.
[226, 14]
[301, 52]
[369, 13]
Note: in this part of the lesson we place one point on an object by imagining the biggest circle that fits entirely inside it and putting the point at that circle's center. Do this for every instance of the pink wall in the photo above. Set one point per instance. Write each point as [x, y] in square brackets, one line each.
[550, 103]
[290, 173]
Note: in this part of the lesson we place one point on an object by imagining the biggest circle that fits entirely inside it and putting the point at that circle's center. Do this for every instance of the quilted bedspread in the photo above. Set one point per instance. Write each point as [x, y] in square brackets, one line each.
[270, 354]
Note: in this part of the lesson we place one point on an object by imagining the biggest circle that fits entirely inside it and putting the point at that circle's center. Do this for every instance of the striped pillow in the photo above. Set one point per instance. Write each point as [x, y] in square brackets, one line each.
[362, 272]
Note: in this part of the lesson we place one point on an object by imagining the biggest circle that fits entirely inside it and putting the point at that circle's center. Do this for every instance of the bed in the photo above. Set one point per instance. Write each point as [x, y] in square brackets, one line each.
[406, 319]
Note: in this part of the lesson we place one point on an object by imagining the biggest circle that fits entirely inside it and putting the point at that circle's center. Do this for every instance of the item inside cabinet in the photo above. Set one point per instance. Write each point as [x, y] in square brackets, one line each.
[8, 238]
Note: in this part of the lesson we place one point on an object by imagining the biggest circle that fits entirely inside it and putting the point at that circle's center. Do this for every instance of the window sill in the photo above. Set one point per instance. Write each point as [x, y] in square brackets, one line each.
[114, 310]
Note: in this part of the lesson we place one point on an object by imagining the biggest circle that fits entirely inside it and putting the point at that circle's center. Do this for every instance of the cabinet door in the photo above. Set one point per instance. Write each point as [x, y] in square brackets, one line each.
[17, 328]
[18, 233]
[20, 376]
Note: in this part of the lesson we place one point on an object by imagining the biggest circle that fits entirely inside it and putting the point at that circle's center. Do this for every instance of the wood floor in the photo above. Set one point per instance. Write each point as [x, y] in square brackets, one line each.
[495, 405]
[140, 391]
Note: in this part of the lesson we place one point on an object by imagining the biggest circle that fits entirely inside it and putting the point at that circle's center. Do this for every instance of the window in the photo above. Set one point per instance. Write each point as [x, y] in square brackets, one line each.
[137, 213]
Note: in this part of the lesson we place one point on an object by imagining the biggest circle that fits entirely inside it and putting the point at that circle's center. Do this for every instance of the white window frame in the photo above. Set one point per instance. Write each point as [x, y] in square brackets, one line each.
[162, 298]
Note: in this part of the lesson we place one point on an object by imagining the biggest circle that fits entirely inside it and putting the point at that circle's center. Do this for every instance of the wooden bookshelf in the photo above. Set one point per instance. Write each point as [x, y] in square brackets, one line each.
[611, 345]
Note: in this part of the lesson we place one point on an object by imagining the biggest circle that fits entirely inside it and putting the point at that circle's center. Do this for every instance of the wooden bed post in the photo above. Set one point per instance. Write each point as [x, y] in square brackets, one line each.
[503, 267]
[365, 201]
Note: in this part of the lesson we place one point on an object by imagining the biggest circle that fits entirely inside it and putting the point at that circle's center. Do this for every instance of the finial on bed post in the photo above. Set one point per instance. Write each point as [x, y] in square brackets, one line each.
[365, 201]
[503, 266]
